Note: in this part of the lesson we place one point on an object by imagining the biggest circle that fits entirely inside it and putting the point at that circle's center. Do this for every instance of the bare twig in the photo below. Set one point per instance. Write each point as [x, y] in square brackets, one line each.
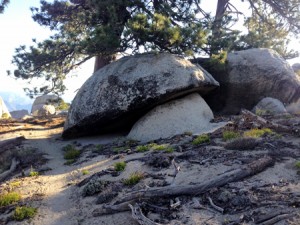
[7, 173]
[138, 215]
[219, 209]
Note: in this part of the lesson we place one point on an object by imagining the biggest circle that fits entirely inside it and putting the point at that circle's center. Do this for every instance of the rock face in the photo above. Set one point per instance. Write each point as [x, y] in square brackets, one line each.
[296, 67]
[187, 114]
[120, 92]
[253, 75]
[46, 110]
[18, 114]
[269, 106]
[4, 113]
[40, 101]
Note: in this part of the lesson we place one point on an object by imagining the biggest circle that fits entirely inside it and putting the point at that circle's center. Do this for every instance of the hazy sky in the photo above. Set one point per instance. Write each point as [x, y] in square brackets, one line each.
[18, 28]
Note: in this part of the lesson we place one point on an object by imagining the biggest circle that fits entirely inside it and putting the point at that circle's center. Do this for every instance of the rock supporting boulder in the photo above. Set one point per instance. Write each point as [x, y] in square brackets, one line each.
[40, 101]
[253, 75]
[119, 93]
[269, 106]
[187, 114]
[4, 113]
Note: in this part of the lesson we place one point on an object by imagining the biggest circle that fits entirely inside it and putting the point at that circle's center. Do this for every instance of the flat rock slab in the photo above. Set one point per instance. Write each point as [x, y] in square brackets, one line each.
[119, 93]
[187, 114]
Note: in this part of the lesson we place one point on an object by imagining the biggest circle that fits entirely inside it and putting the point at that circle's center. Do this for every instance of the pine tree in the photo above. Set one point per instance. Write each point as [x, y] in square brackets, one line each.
[3, 4]
[87, 28]
[265, 31]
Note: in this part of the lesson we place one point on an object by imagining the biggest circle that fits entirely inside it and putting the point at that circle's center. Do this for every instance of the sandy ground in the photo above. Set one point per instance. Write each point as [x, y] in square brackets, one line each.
[60, 202]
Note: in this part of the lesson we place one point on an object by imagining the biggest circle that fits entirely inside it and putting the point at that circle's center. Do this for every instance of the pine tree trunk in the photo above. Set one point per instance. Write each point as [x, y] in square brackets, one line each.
[101, 61]
[217, 25]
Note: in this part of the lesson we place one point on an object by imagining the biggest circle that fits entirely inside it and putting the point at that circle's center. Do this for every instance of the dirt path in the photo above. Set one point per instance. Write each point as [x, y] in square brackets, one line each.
[57, 207]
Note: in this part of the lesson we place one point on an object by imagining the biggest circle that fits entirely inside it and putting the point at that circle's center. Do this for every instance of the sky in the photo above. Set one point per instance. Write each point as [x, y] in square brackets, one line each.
[18, 28]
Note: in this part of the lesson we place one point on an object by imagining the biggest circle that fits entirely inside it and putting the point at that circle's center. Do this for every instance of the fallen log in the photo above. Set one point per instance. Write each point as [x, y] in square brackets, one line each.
[7, 173]
[250, 169]
[10, 143]
[235, 175]
[266, 123]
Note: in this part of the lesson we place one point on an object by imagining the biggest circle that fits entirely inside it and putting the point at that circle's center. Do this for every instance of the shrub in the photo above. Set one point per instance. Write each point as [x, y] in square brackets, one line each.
[119, 166]
[256, 133]
[142, 148]
[94, 186]
[133, 179]
[33, 173]
[98, 148]
[5, 116]
[9, 198]
[163, 147]
[71, 153]
[24, 212]
[297, 165]
[201, 139]
[229, 135]
[85, 172]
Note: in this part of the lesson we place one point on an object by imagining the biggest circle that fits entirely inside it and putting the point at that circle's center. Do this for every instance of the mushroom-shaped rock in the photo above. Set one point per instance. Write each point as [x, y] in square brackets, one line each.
[253, 75]
[187, 114]
[119, 93]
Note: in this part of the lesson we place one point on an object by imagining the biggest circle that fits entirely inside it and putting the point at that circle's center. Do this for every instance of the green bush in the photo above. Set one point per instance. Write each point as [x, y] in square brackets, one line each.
[142, 148]
[297, 165]
[71, 153]
[163, 147]
[9, 198]
[229, 135]
[201, 139]
[133, 179]
[5, 116]
[33, 173]
[85, 172]
[256, 133]
[119, 166]
[24, 212]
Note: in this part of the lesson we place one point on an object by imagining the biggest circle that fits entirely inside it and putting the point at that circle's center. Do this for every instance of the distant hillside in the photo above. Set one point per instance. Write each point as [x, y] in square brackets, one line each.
[16, 101]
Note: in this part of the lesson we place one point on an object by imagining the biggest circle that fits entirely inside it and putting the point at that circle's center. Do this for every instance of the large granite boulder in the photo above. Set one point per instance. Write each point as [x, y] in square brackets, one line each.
[19, 114]
[40, 101]
[251, 76]
[269, 106]
[4, 113]
[119, 93]
[187, 114]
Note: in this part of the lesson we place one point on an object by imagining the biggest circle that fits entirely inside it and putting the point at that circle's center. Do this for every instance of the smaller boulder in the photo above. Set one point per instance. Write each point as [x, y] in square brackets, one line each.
[40, 101]
[19, 114]
[269, 106]
[187, 114]
[46, 110]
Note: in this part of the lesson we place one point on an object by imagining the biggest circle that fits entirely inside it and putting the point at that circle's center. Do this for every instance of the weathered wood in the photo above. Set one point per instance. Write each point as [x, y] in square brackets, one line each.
[11, 143]
[266, 123]
[232, 176]
[168, 191]
[138, 215]
[7, 173]
[276, 219]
